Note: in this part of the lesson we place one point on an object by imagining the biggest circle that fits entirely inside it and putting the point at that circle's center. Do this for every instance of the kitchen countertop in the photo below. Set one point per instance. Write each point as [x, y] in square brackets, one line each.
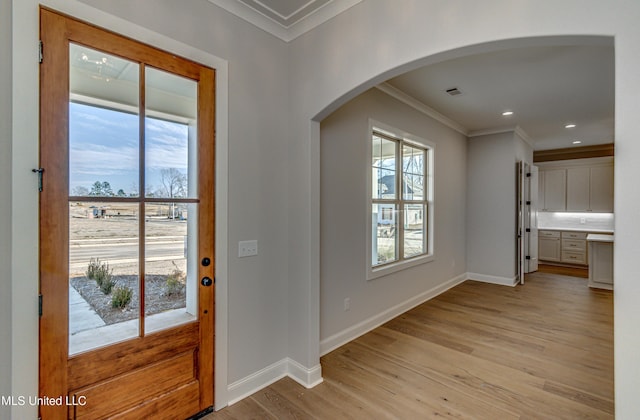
[563, 229]
[599, 238]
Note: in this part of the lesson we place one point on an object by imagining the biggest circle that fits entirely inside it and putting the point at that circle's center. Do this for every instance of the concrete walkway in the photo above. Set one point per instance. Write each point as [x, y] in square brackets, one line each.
[88, 331]
[81, 315]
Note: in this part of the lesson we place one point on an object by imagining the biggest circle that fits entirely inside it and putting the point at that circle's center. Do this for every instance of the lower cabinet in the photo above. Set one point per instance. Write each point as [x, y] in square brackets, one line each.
[549, 245]
[562, 247]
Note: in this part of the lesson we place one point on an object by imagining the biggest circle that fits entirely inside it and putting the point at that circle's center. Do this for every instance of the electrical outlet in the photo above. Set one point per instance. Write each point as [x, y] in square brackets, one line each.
[347, 304]
[247, 248]
[583, 220]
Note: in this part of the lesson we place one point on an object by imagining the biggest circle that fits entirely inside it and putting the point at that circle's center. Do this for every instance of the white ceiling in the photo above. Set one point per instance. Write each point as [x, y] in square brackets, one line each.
[545, 87]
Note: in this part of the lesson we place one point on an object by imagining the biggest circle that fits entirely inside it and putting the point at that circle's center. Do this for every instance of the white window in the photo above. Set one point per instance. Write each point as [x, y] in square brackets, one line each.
[400, 201]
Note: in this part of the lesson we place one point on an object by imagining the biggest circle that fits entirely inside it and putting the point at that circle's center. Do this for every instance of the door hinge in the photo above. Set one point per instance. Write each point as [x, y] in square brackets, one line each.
[40, 56]
[39, 171]
[40, 305]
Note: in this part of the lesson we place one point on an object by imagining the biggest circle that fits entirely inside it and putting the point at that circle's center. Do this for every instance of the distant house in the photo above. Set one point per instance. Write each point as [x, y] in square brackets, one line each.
[386, 213]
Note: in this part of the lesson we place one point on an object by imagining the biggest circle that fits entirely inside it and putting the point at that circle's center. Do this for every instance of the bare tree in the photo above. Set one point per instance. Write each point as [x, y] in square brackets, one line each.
[174, 185]
[80, 191]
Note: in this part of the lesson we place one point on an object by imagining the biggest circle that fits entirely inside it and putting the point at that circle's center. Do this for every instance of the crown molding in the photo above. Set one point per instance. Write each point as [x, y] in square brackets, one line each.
[291, 30]
[421, 107]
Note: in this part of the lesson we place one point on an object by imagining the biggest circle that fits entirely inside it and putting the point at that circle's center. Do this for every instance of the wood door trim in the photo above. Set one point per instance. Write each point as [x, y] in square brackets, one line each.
[206, 223]
[80, 32]
[54, 123]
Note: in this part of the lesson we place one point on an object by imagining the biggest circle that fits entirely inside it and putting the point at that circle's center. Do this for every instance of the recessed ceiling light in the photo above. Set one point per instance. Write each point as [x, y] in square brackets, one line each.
[570, 126]
[507, 113]
[576, 142]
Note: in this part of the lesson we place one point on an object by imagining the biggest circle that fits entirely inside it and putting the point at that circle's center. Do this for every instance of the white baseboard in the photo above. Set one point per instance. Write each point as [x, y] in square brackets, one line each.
[331, 343]
[503, 281]
[310, 377]
[273, 373]
[304, 376]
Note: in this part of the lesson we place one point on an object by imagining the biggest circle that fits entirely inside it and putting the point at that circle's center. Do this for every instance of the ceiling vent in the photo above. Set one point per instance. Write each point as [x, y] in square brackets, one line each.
[453, 91]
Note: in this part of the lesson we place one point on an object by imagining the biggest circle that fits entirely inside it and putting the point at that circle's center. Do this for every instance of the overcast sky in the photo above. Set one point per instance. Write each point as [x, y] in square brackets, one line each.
[104, 146]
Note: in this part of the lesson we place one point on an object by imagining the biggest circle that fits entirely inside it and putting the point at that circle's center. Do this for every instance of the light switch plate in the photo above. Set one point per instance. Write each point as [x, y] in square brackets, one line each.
[247, 248]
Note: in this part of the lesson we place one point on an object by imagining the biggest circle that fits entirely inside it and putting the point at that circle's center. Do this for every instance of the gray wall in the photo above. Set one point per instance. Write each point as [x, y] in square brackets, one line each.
[5, 204]
[491, 207]
[344, 165]
[491, 203]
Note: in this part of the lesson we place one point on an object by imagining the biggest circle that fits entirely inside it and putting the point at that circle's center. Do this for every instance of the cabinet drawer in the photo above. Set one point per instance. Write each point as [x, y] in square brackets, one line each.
[549, 233]
[574, 257]
[574, 235]
[574, 245]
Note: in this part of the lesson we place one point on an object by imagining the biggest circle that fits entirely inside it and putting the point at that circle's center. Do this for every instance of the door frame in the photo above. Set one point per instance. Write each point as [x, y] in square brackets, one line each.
[29, 31]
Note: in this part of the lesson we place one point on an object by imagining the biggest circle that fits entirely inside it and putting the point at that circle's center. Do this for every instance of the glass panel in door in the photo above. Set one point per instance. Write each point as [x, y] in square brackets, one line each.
[103, 165]
[171, 225]
[170, 265]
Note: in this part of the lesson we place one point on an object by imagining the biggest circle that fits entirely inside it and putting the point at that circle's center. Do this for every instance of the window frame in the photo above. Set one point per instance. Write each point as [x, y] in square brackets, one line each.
[401, 138]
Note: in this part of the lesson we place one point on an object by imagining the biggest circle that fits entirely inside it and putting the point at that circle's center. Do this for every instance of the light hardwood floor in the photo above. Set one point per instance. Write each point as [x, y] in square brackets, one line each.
[542, 350]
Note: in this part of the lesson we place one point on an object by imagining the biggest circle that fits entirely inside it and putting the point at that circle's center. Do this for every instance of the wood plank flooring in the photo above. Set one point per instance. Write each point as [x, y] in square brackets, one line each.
[564, 270]
[542, 350]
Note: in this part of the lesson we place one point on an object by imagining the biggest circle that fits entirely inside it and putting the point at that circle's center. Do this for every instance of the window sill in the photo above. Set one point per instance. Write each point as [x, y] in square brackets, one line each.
[374, 273]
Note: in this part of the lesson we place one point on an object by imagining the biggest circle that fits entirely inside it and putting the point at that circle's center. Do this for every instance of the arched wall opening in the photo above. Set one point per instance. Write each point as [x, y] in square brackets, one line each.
[328, 343]
[474, 49]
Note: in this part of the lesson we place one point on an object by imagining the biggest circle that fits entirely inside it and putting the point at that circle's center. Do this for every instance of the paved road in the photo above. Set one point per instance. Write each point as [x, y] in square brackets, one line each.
[118, 251]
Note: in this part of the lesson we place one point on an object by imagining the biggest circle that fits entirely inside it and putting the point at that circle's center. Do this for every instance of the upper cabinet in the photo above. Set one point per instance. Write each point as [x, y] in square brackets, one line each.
[553, 189]
[601, 189]
[577, 186]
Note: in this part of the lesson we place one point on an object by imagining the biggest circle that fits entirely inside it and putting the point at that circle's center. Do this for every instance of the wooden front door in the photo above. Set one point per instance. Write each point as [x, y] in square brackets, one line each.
[126, 227]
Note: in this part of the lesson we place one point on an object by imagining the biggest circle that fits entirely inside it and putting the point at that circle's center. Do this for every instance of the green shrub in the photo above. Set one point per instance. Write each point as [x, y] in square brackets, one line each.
[104, 278]
[121, 296]
[107, 285]
[93, 267]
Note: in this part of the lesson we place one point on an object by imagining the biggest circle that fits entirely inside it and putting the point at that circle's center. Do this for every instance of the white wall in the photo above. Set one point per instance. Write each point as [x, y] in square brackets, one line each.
[5, 205]
[344, 165]
[377, 39]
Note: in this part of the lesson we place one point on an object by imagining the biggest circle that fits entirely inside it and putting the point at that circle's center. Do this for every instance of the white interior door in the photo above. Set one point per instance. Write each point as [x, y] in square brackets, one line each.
[533, 219]
[520, 219]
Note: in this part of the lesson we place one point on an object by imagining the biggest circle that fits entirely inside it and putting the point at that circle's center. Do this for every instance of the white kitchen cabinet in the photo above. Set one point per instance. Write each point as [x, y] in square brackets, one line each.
[601, 189]
[601, 261]
[578, 188]
[567, 247]
[574, 248]
[549, 246]
[553, 190]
